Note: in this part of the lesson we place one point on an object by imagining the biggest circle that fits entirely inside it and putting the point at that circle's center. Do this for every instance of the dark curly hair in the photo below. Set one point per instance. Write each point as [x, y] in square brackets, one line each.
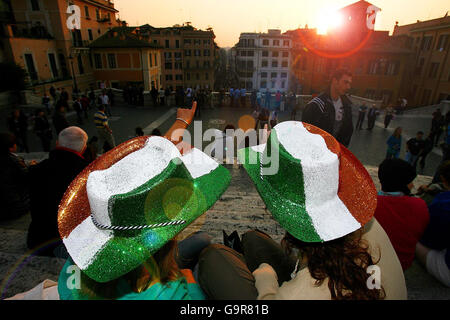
[342, 261]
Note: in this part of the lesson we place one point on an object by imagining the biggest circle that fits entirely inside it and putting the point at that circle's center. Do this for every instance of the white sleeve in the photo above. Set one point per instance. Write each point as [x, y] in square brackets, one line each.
[266, 282]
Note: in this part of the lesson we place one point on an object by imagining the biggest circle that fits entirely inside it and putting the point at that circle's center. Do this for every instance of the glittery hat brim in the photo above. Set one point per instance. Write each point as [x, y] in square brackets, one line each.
[125, 252]
[356, 190]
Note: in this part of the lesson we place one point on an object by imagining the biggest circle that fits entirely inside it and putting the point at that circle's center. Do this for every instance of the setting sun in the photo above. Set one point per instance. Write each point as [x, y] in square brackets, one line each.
[330, 20]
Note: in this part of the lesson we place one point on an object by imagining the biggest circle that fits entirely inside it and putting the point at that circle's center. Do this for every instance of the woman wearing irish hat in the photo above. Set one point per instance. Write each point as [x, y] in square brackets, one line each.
[120, 216]
[325, 200]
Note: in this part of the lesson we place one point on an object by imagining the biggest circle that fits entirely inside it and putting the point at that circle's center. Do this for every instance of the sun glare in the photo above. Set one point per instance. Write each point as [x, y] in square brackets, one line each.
[330, 20]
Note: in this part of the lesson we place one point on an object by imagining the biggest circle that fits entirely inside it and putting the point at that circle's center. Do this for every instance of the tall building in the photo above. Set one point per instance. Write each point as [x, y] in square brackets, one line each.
[188, 55]
[36, 36]
[429, 76]
[263, 60]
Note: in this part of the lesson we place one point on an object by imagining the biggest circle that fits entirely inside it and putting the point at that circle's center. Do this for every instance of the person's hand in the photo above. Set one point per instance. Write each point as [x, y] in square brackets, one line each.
[422, 189]
[33, 162]
[187, 114]
[265, 269]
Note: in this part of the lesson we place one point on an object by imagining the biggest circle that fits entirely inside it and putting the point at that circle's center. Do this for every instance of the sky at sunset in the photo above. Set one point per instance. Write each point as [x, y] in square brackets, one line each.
[229, 18]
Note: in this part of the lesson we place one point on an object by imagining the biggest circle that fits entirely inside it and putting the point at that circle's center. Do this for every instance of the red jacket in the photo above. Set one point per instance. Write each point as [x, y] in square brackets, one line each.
[404, 219]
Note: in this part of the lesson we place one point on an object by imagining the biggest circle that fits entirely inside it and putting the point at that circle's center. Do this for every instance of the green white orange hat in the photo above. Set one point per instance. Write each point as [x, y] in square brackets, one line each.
[319, 191]
[105, 216]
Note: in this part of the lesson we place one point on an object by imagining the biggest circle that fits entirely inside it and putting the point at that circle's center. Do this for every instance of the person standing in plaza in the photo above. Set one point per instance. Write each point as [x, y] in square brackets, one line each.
[46, 102]
[237, 97]
[43, 130]
[389, 115]
[154, 95]
[78, 109]
[161, 96]
[59, 119]
[243, 97]
[267, 99]
[111, 97]
[179, 96]
[414, 147]
[85, 105]
[253, 99]
[65, 98]
[52, 92]
[427, 148]
[332, 110]
[106, 103]
[18, 125]
[361, 116]
[372, 116]
[231, 95]
[394, 144]
[57, 96]
[92, 98]
[437, 126]
[259, 99]
[278, 100]
[105, 135]
[284, 101]
[167, 94]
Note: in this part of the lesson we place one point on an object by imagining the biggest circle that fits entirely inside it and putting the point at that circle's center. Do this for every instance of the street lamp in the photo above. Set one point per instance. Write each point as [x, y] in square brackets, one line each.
[73, 74]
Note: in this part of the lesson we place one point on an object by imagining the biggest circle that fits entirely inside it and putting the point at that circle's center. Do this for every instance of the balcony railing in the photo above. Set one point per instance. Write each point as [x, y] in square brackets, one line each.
[103, 19]
[81, 43]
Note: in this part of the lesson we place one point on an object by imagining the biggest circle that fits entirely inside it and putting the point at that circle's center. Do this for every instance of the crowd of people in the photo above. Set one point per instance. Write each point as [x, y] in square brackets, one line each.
[419, 147]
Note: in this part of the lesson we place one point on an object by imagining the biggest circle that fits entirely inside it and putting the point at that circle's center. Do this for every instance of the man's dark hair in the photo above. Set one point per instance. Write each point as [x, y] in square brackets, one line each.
[101, 107]
[156, 132]
[228, 127]
[395, 175]
[339, 73]
[139, 131]
[420, 132]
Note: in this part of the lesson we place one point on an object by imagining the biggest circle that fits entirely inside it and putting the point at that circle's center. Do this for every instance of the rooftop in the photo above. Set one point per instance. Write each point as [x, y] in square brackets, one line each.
[122, 37]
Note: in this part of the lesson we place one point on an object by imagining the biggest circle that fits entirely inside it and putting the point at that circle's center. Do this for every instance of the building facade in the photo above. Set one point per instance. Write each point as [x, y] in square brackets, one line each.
[263, 60]
[122, 58]
[429, 77]
[38, 38]
[188, 55]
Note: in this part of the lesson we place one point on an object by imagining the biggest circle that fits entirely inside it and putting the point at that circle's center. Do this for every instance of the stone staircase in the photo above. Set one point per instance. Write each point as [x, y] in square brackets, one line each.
[240, 208]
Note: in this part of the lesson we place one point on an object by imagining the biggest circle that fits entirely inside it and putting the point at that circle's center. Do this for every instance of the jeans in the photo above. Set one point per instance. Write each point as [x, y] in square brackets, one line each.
[189, 249]
[411, 159]
[225, 274]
